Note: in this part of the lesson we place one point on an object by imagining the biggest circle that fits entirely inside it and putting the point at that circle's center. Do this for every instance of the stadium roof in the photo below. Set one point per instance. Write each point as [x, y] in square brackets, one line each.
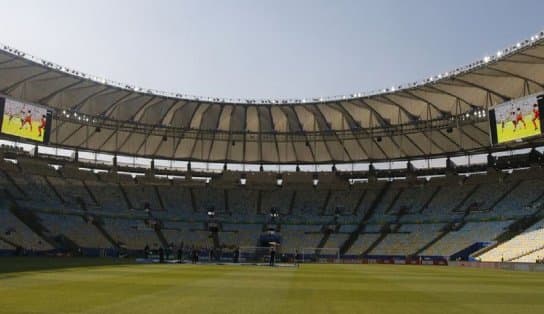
[424, 118]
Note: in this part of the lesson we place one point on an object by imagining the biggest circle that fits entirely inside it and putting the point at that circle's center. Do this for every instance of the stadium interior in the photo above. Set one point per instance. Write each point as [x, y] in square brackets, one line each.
[406, 173]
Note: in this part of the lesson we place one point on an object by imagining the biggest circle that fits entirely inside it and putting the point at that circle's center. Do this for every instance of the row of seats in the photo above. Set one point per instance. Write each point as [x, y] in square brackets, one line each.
[18, 233]
[468, 234]
[525, 243]
[423, 202]
[83, 233]
[407, 239]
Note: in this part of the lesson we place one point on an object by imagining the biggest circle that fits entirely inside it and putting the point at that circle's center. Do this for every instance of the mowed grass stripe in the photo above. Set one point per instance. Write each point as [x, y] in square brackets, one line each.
[245, 289]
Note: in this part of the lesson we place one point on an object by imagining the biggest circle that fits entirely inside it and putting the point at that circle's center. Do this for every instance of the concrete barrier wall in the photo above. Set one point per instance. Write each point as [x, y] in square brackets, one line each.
[504, 266]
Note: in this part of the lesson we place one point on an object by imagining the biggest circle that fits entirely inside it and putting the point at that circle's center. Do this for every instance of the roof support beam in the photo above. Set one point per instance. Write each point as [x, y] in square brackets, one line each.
[532, 56]
[350, 118]
[274, 135]
[14, 85]
[8, 60]
[16, 67]
[45, 99]
[215, 133]
[199, 135]
[182, 135]
[400, 107]
[76, 106]
[429, 103]
[322, 118]
[457, 97]
[363, 104]
[299, 125]
[503, 97]
[507, 73]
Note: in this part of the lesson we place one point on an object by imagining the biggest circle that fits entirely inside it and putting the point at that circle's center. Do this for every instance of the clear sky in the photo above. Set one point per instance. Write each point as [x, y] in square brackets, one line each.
[266, 48]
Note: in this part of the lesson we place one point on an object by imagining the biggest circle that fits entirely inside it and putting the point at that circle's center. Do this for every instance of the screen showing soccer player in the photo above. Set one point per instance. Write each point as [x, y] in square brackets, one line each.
[24, 120]
[515, 120]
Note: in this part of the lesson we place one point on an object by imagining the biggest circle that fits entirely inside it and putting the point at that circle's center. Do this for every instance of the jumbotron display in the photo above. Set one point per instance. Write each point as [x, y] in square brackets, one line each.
[517, 119]
[25, 120]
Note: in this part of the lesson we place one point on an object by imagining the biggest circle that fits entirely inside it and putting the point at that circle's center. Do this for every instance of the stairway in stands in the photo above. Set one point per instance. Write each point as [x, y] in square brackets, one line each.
[383, 233]
[125, 197]
[91, 194]
[159, 197]
[324, 239]
[447, 229]
[55, 191]
[459, 206]
[161, 236]
[97, 222]
[33, 222]
[360, 228]
[8, 241]
[386, 230]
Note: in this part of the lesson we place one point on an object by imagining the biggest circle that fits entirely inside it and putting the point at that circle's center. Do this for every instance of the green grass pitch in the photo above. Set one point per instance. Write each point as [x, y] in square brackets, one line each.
[42, 285]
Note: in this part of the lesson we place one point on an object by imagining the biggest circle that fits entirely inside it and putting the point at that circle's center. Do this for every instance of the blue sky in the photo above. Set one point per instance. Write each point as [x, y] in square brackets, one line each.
[266, 48]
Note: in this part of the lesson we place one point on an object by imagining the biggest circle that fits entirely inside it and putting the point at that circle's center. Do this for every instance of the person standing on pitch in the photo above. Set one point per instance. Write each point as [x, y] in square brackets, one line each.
[161, 255]
[272, 255]
[236, 254]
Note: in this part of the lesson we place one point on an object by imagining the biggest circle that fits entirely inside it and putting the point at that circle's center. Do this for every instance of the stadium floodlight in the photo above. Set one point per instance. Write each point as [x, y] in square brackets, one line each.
[487, 59]
[315, 179]
[279, 180]
[243, 179]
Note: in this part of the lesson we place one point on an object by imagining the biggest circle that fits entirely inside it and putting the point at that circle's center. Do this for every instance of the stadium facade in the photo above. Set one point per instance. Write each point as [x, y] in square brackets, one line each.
[406, 171]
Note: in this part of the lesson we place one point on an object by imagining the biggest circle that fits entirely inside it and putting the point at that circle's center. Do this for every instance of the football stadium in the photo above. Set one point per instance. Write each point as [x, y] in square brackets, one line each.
[425, 197]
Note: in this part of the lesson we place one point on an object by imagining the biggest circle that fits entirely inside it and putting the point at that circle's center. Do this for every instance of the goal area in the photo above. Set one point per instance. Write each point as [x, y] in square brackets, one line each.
[261, 255]
[320, 255]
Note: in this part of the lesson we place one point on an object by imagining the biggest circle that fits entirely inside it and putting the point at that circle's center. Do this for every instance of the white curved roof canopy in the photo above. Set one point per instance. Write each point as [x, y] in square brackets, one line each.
[401, 123]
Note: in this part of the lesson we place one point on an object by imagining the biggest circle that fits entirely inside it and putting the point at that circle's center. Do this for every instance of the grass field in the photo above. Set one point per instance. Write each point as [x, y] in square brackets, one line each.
[39, 285]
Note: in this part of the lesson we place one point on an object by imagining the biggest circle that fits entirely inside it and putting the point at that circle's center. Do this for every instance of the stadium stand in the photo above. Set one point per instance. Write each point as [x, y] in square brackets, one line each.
[468, 234]
[526, 243]
[408, 171]
[410, 218]
[75, 228]
[131, 234]
[16, 232]
[406, 239]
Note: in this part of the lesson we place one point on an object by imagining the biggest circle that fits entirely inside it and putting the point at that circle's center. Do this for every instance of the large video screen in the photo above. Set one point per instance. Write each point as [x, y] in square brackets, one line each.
[24, 120]
[515, 120]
